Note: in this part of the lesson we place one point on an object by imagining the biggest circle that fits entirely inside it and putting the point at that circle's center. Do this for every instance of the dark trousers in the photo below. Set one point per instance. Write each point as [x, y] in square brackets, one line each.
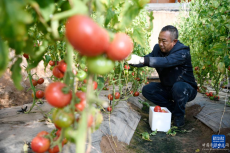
[173, 98]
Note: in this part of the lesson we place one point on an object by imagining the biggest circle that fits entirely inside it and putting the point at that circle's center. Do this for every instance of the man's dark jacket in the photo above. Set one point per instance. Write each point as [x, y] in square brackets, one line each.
[172, 67]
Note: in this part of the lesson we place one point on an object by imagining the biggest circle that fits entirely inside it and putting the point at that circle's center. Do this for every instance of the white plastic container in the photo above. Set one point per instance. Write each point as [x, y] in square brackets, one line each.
[160, 121]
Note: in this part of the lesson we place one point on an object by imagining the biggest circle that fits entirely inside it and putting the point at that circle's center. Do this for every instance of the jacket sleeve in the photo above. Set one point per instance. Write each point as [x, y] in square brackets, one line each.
[171, 60]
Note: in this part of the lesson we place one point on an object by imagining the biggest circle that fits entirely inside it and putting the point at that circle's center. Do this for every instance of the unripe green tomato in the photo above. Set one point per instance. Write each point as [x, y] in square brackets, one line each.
[69, 133]
[81, 75]
[99, 65]
[83, 88]
[62, 119]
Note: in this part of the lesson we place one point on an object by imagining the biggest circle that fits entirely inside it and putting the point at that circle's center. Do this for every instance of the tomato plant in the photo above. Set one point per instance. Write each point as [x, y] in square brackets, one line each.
[117, 95]
[110, 97]
[86, 36]
[34, 82]
[55, 96]
[99, 65]
[62, 119]
[39, 94]
[40, 81]
[40, 144]
[109, 109]
[136, 94]
[51, 63]
[120, 48]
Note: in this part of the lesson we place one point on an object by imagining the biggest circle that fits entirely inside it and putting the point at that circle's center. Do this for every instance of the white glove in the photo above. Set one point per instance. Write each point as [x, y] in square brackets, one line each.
[136, 59]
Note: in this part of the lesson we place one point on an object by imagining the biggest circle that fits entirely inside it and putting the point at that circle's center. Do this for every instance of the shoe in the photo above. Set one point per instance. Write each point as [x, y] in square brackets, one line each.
[178, 121]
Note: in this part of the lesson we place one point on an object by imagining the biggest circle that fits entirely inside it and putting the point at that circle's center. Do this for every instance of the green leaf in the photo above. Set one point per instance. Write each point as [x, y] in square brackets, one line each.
[226, 61]
[139, 36]
[101, 82]
[110, 14]
[128, 13]
[16, 73]
[151, 18]
[145, 136]
[154, 132]
[3, 56]
[47, 8]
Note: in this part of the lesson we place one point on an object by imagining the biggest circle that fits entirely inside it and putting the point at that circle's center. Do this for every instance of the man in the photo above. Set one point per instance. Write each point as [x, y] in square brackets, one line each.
[172, 61]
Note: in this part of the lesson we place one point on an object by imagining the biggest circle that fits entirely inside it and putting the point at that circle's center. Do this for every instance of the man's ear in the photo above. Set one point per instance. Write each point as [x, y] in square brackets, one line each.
[175, 41]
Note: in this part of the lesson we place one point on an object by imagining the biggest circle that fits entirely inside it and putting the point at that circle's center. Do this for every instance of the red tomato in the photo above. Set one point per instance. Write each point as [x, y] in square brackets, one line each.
[55, 149]
[138, 79]
[117, 95]
[136, 94]
[207, 94]
[94, 85]
[51, 63]
[127, 67]
[26, 56]
[42, 133]
[55, 96]
[133, 73]
[40, 81]
[90, 120]
[120, 48]
[57, 73]
[62, 66]
[81, 105]
[210, 94]
[57, 127]
[109, 109]
[164, 111]
[196, 68]
[58, 133]
[86, 36]
[40, 144]
[131, 92]
[34, 82]
[110, 97]
[39, 94]
[85, 81]
[157, 109]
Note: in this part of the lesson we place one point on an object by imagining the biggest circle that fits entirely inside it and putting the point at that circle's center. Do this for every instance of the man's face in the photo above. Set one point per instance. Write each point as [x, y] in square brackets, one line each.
[165, 42]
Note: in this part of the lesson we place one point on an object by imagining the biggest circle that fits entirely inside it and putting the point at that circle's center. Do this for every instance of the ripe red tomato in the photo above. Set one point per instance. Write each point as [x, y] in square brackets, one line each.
[117, 95]
[133, 73]
[40, 144]
[55, 96]
[86, 36]
[26, 56]
[196, 68]
[210, 94]
[39, 94]
[62, 66]
[94, 85]
[207, 94]
[42, 133]
[229, 67]
[109, 109]
[51, 63]
[40, 81]
[127, 67]
[120, 47]
[136, 94]
[55, 149]
[138, 79]
[81, 105]
[58, 133]
[57, 73]
[164, 111]
[34, 82]
[131, 92]
[90, 120]
[157, 109]
[110, 97]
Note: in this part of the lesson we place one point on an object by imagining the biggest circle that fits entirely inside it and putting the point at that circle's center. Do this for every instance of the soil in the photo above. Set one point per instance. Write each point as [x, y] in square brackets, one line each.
[197, 137]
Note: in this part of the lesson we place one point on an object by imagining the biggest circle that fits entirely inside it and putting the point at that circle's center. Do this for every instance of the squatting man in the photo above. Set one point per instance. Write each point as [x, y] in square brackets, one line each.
[172, 61]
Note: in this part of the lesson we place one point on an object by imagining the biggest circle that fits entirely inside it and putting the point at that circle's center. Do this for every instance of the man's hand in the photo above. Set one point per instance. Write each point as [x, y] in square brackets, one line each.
[136, 59]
